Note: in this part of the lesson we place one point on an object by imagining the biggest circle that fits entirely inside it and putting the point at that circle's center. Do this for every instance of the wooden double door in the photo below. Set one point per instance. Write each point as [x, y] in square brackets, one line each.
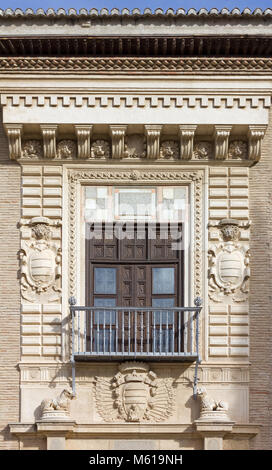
[142, 268]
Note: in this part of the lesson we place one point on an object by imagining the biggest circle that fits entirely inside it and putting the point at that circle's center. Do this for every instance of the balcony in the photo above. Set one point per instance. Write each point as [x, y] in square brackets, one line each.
[148, 333]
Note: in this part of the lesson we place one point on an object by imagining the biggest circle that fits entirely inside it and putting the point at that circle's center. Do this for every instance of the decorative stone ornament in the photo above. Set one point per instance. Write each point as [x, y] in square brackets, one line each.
[49, 140]
[32, 149]
[134, 394]
[202, 150]
[238, 150]
[187, 141]
[40, 264]
[118, 141]
[83, 133]
[152, 133]
[229, 270]
[66, 149]
[210, 409]
[169, 150]
[135, 146]
[221, 135]
[255, 135]
[57, 409]
[14, 133]
[100, 149]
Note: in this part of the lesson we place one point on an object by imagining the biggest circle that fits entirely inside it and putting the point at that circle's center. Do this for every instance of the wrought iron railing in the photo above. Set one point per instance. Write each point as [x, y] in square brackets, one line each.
[135, 333]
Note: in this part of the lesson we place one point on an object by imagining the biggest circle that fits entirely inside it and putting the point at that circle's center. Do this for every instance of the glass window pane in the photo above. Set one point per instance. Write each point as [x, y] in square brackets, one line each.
[108, 315]
[105, 280]
[163, 280]
[160, 316]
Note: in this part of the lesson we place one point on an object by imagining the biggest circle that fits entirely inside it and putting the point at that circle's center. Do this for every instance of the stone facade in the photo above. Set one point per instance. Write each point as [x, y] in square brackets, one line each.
[159, 135]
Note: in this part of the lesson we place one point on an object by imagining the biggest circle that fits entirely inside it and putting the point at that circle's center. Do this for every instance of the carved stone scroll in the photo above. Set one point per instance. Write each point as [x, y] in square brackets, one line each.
[255, 135]
[153, 133]
[186, 141]
[14, 133]
[83, 141]
[135, 394]
[49, 140]
[40, 264]
[118, 141]
[221, 135]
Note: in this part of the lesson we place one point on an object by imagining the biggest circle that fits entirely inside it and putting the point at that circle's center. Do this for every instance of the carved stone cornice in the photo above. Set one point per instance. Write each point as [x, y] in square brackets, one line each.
[83, 133]
[49, 140]
[221, 135]
[153, 133]
[14, 133]
[186, 141]
[255, 134]
[118, 141]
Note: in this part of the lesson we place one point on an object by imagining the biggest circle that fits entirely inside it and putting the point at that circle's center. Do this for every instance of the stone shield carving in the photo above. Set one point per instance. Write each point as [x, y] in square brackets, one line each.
[40, 264]
[229, 265]
[134, 394]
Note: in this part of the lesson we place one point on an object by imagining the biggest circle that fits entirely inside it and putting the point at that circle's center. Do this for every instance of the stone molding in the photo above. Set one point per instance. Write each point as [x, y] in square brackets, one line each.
[195, 177]
[127, 100]
[137, 65]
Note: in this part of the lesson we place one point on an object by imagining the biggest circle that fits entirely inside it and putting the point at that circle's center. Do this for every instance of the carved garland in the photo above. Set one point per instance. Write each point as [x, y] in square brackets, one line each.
[76, 177]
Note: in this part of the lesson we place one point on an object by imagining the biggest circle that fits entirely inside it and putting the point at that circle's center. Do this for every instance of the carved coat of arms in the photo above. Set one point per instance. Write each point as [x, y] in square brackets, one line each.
[40, 264]
[134, 394]
[229, 265]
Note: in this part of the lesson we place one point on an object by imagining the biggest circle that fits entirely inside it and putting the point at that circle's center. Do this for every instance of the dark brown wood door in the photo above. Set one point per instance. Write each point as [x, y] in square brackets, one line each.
[137, 267]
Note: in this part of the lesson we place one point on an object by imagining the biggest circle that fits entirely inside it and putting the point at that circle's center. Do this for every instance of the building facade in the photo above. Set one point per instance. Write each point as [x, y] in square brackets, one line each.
[135, 232]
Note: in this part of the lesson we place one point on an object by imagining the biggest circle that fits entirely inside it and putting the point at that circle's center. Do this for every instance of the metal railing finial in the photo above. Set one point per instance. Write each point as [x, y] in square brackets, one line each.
[198, 301]
[72, 301]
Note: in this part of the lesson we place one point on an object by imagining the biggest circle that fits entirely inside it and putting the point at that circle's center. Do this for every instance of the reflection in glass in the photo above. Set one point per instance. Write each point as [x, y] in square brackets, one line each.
[105, 280]
[163, 280]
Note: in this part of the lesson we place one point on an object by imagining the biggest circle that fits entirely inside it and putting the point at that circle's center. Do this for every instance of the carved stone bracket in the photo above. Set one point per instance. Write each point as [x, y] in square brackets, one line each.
[153, 133]
[83, 133]
[14, 133]
[49, 140]
[118, 141]
[221, 135]
[186, 141]
[255, 135]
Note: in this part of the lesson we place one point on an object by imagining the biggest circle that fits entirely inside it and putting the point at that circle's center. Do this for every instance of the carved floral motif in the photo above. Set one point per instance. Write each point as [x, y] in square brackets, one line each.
[66, 149]
[32, 149]
[40, 264]
[229, 270]
[202, 150]
[169, 150]
[134, 394]
[100, 149]
[238, 150]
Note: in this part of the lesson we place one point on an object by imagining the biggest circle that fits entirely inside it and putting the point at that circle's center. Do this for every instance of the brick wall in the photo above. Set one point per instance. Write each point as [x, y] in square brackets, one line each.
[10, 182]
[261, 296]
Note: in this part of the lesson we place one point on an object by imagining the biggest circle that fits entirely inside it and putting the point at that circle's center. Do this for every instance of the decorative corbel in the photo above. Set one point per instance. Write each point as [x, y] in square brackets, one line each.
[118, 141]
[186, 133]
[255, 136]
[49, 140]
[221, 135]
[14, 133]
[152, 133]
[83, 133]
